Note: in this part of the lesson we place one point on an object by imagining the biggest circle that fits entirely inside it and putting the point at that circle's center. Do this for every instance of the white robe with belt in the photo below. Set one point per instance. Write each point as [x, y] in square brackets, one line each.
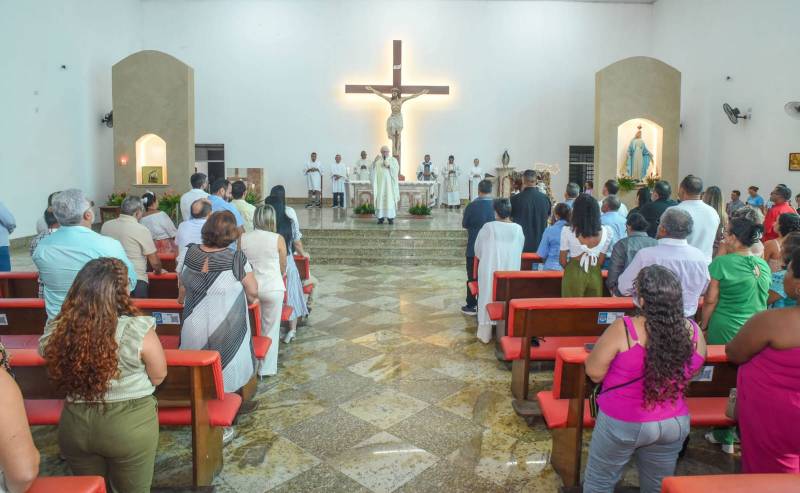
[475, 177]
[337, 186]
[499, 247]
[452, 196]
[386, 188]
[362, 171]
[314, 179]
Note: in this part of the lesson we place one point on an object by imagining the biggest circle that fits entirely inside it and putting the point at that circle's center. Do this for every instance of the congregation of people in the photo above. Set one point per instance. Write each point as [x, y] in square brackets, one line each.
[700, 271]
[105, 355]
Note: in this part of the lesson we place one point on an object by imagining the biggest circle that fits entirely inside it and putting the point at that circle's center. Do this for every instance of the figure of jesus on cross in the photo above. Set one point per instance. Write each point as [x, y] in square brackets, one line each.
[394, 124]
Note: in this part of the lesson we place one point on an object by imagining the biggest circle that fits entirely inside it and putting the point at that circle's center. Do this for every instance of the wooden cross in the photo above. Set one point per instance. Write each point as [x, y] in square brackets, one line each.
[397, 80]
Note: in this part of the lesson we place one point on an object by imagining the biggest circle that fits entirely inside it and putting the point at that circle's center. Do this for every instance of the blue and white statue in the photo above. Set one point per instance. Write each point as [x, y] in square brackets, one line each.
[639, 158]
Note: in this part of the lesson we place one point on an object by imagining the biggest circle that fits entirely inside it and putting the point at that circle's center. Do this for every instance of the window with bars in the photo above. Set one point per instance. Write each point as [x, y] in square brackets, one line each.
[581, 164]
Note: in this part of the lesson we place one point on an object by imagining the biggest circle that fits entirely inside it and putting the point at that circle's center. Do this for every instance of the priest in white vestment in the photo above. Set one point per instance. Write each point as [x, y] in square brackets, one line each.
[475, 177]
[385, 186]
[313, 172]
[498, 247]
[362, 170]
[427, 173]
[338, 179]
[450, 174]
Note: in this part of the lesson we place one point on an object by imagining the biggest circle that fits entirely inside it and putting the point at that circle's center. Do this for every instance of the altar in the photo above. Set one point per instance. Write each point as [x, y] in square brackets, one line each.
[411, 193]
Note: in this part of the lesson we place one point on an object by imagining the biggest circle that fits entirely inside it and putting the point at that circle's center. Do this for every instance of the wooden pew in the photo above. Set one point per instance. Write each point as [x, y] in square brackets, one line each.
[732, 483]
[19, 284]
[561, 322]
[566, 412]
[168, 262]
[530, 261]
[191, 395]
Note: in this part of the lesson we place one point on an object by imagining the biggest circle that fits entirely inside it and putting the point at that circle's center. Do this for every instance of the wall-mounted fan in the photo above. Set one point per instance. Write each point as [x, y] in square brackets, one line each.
[108, 119]
[793, 109]
[734, 114]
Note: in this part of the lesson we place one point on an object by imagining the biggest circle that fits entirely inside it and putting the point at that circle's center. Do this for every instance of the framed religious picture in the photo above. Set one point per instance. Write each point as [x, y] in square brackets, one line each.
[152, 175]
[794, 161]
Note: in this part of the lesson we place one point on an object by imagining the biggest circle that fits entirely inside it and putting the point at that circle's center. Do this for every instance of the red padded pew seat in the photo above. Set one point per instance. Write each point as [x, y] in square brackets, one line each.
[495, 310]
[220, 412]
[43, 412]
[512, 346]
[732, 483]
[20, 341]
[68, 484]
[261, 346]
[286, 313]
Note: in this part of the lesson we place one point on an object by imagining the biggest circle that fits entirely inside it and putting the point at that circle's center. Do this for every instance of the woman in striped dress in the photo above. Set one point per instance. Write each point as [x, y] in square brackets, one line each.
[216, 285]
[290, 230]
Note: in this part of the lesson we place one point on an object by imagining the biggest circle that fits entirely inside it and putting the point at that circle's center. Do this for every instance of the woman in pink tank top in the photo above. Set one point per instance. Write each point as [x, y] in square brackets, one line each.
[645, 364]
[768, 384]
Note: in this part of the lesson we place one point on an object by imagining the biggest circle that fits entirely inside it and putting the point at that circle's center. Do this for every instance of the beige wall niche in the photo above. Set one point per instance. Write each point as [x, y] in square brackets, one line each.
[638, 89]
[153, 100]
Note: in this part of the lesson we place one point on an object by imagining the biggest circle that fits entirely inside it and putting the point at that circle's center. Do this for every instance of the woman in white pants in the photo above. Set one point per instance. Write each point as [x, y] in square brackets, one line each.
[266, 251]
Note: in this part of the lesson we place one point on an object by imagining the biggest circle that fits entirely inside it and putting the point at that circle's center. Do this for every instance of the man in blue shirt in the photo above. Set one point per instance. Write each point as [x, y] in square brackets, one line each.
[61, 255]
[613, 219]
[477, 213]
[220, 200]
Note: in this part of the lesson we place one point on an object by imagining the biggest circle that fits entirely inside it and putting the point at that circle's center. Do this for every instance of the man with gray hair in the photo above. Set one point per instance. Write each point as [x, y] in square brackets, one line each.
[676, 254]
[572, 192]
[385, 186]
[136, 240]
[61, 255]
[190, 230]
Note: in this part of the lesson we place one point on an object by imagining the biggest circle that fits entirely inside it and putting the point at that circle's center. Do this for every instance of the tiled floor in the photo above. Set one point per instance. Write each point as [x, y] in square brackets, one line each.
[385, 390]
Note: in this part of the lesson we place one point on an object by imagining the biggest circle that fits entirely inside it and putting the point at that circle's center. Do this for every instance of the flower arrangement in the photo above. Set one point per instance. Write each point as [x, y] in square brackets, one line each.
[652, 180]
[169, 203]
[419, 209]
[115, 199]
[626, 183]
[364, 209]
[252, 198]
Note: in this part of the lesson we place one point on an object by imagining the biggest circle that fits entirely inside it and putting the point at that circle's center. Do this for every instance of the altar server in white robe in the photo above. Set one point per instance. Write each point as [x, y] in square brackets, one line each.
[338, 179]
[426, 172]
[450, 174]
[475, 177]
[498, 247]
[385, 186]
[362, 170]
[313, 172]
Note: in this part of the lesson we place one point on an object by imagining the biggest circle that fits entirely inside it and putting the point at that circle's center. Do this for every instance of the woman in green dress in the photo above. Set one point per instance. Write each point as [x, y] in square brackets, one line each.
[738, 290]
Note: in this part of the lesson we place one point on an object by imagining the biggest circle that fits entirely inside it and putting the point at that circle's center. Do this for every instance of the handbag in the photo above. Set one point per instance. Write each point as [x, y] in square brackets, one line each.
[598, 389]
[730, 409]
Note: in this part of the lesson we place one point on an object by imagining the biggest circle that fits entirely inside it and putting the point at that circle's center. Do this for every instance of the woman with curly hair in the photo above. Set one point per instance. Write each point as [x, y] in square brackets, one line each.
[108, 360]
[645, 363]
[584, 246]
[786, 223]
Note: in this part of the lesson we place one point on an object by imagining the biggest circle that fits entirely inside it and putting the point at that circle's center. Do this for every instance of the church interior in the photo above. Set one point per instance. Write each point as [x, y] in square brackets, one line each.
[412, 246]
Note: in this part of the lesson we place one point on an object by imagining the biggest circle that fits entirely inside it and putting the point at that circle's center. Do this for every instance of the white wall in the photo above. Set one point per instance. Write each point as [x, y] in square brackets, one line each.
[270, 76]
[757, 44]
[50, 132]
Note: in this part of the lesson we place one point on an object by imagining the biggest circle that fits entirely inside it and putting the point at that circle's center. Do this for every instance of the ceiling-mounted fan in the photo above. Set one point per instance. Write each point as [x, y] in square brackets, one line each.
[734, 115]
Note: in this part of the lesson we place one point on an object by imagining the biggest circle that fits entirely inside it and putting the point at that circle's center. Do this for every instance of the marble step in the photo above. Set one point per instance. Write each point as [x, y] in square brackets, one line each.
[386, 251]
[384, 233]
[443, 243]
[398, 260]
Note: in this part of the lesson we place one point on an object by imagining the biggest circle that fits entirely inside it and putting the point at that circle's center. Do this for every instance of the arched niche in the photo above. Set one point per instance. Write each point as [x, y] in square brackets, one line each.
[637, 88]
[636, 150]
[151, 160]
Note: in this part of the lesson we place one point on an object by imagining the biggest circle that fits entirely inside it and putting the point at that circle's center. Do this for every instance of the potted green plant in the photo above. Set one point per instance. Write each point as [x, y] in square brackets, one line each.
[420, 211]
[627, 184]
[364, 210]
[170, 203]
[252, 198]
[111, 209]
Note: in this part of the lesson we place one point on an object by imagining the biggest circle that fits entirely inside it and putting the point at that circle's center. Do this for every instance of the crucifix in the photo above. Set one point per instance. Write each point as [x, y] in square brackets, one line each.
[394, 125]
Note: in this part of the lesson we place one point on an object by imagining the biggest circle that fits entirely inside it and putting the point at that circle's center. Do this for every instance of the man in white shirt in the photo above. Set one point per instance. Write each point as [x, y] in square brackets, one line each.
[338, 179]
[199, 183]
[189, 231]
[611, 187]
[362, 169]
[475, 177]
[313, 172]
[705, 217]
[677, 255]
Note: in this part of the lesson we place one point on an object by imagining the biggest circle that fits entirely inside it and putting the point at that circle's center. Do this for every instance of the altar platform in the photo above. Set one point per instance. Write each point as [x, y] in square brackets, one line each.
[337, 236]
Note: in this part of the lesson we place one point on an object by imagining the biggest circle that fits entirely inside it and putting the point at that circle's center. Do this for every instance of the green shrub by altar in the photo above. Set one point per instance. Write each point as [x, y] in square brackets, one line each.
[252, 198]
[364, 209]
[115, 199]
[419, 210]
[169, 203]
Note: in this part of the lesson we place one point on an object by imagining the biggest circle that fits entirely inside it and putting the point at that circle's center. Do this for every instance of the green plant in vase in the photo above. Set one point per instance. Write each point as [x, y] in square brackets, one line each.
[115, 199]
[652, 180]
[169, 203]
[626, 183]
[419, 209]
[252, 198]
[364, 209]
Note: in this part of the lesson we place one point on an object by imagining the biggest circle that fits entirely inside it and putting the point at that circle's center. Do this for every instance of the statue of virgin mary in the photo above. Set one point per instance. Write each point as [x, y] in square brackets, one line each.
[639, 157]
